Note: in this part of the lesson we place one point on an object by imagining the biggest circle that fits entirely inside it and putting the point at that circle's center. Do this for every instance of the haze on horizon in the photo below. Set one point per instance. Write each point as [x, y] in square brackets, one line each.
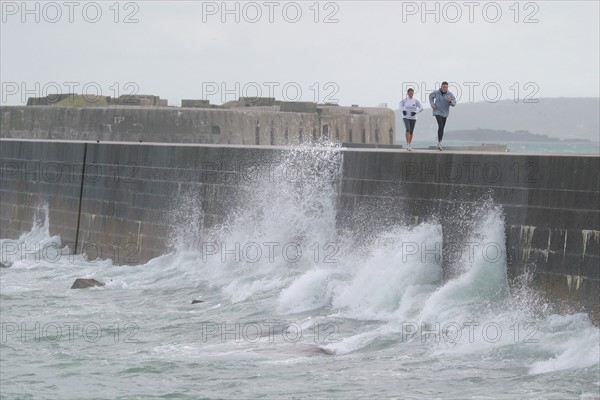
[346, 52]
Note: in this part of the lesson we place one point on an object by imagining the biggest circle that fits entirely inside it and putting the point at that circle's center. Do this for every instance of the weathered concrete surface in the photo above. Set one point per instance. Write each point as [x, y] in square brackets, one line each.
[130, 190]
[246, 126]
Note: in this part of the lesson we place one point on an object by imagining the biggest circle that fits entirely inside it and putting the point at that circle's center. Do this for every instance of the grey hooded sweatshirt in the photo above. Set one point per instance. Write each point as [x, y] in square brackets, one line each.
[441, 101]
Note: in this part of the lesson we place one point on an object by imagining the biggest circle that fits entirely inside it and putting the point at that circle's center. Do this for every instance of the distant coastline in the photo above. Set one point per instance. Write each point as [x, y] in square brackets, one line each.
[546, 120]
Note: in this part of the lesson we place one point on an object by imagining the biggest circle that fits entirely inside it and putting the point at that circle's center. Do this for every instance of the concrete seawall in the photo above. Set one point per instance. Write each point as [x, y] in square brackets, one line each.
[246, 126]
[125, 200]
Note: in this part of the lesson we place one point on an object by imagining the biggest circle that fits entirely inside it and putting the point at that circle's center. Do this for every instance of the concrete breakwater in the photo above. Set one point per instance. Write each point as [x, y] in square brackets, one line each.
[117, 199]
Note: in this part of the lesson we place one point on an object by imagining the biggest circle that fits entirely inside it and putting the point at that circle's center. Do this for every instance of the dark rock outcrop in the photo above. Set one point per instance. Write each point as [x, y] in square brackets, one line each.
[82, 283]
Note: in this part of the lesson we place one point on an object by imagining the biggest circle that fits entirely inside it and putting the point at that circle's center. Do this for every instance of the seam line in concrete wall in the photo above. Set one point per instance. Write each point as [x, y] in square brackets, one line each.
[80, 197]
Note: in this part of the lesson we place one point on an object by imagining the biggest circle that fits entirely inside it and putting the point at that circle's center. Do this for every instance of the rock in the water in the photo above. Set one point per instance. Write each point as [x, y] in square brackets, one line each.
[7, 264]
[197, 301]
[319, 350]
[81, 283]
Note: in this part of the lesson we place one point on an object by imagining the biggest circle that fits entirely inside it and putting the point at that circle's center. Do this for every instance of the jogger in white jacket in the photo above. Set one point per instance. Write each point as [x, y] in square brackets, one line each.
[410, 107]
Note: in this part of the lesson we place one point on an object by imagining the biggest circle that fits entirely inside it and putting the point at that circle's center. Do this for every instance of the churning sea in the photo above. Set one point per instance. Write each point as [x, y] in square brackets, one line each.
[291, 307]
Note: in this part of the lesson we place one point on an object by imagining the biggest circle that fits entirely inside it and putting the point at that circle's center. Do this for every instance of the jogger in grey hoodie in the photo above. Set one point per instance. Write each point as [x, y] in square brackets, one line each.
[440, 102]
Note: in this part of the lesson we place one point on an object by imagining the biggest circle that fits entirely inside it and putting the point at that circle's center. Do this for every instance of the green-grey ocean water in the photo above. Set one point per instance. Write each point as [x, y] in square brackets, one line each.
[337, 315]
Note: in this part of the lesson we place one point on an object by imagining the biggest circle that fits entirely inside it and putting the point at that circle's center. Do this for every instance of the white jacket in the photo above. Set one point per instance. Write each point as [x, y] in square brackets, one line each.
[410, 105]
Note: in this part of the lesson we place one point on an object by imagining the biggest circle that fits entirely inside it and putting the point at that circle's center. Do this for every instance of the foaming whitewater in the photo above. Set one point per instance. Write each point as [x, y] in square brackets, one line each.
[483, 286]
[38, 248]
[284, 223]
[31, 245]
[397, 280]
[392, 280]
[349, 315]
[473, 313]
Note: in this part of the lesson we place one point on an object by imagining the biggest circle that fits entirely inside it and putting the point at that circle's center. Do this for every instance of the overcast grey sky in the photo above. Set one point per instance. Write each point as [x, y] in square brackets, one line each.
[351, 52]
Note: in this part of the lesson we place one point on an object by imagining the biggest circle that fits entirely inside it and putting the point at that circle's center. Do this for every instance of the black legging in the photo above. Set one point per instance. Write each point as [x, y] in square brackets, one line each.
[441, 124]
